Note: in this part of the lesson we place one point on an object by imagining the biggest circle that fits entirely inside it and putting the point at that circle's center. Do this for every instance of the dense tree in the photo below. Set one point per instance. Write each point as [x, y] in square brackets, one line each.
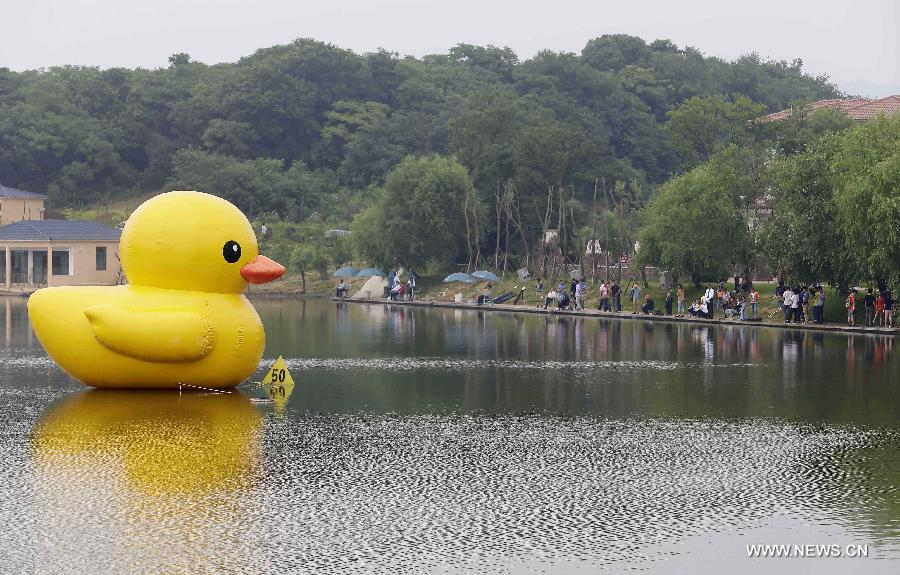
[310, 130]
[802, 127]
[828, 213]
[866, 181]
[615, 51]
[695, 227]
[801, 238]
[255, 186]
[419, 217]
[700, 127]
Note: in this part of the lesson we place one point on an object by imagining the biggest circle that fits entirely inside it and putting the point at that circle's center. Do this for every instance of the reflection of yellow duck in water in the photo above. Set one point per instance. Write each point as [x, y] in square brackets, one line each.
[162, 442]
[183, 319]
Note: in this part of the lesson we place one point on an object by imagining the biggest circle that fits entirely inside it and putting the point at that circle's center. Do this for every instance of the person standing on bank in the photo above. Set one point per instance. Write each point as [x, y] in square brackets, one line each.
[635, 297]
[616, 293]
[869, 302]
[754, 304]
[804, 304]
[680, 299]
[851, 308]
[788, 297]
[580, 291]
[796, 309]
[879, 308]
[888, 309]
[819, 308]
[709, 298]
[670, 297]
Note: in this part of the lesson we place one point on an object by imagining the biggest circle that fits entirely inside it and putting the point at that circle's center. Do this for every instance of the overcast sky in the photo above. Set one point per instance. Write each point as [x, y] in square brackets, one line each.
[855, 42]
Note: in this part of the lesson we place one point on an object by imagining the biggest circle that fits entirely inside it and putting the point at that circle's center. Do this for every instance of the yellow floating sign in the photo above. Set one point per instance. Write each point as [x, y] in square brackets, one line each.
[278, 383]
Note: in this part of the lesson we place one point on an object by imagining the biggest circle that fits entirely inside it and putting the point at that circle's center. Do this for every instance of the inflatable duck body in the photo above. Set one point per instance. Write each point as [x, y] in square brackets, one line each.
[183, 318]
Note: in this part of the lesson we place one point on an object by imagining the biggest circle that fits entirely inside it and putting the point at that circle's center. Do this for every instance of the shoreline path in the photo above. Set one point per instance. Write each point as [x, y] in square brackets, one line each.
[831, 328]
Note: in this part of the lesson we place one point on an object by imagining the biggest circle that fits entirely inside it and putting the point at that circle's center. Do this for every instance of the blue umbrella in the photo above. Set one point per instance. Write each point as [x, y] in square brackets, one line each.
[487, 276]
[370, 272]
[345, 272]
[460, 277]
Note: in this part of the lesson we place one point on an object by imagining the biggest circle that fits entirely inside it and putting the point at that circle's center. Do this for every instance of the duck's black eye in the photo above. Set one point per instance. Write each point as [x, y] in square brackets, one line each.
[231, 251]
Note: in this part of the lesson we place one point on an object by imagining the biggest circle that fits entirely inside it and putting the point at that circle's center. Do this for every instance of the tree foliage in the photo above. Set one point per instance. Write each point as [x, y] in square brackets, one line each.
[417, 219]
[837, 216]
[309, 128]
[695, 227]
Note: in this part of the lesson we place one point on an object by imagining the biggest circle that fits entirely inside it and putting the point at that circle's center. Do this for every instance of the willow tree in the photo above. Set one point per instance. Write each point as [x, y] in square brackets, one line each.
[419, 216]
[694, 228]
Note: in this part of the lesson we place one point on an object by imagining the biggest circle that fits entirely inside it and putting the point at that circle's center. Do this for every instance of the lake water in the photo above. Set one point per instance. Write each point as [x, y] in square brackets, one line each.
[457, 441]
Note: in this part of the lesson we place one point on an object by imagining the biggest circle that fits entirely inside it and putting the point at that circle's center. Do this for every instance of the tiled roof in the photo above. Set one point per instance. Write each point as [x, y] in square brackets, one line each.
[859, 109]
[868, 110]
[58, 230]
[13, 193]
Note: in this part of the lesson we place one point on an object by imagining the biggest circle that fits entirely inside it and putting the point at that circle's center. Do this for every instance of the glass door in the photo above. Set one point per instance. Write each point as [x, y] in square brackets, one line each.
[39, 267]
[19, 266]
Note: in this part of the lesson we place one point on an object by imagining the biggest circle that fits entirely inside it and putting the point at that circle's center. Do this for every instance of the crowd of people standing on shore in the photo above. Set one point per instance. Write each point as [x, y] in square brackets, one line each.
[399, 290]
[799, 304]
[796, 303]
[879, 308]
[733, 304]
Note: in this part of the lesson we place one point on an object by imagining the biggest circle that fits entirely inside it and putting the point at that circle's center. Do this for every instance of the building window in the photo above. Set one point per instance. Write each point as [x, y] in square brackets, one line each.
[19, 266]
[61, 263]
[38, 267]
[2, 266]
[101, 258]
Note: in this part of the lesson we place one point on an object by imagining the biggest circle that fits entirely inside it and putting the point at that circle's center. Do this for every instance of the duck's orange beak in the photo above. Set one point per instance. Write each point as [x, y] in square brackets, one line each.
[262, 270]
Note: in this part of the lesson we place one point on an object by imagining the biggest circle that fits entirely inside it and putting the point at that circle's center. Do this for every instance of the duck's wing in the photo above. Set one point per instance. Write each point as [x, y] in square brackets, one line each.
[167, 335]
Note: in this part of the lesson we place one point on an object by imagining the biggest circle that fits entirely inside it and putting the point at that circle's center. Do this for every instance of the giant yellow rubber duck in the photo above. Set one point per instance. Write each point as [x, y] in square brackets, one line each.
[183, 318]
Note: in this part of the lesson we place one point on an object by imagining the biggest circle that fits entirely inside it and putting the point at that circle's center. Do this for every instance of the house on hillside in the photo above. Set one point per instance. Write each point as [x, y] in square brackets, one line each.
[17, 205]
[48, 253]
[859, 109]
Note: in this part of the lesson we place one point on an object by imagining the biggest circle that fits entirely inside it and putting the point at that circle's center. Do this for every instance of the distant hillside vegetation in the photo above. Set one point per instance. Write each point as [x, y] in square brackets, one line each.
[312, 128]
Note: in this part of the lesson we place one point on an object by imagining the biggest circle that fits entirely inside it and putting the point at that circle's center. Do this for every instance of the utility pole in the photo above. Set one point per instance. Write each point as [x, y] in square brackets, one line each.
[593, 240]
[621, 236]
[606, 228]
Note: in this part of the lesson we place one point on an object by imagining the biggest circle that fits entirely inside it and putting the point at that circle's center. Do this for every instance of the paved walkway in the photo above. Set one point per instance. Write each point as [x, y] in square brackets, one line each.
[529, 308]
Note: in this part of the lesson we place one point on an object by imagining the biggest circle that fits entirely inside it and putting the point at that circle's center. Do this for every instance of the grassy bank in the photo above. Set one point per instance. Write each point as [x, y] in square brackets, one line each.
[769, 308]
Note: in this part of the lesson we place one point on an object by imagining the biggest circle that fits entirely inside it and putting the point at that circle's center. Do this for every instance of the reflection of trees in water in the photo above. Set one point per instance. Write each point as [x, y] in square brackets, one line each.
[719, 370]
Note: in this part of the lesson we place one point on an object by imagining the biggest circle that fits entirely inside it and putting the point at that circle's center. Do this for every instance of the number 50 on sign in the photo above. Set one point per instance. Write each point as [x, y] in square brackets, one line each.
[278, 383]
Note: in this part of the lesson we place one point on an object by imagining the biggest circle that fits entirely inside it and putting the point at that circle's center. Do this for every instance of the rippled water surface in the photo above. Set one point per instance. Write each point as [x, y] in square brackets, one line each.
[451, 441]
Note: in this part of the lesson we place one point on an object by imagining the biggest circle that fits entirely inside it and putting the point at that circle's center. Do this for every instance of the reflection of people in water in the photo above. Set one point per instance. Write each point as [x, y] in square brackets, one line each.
[851, 354]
